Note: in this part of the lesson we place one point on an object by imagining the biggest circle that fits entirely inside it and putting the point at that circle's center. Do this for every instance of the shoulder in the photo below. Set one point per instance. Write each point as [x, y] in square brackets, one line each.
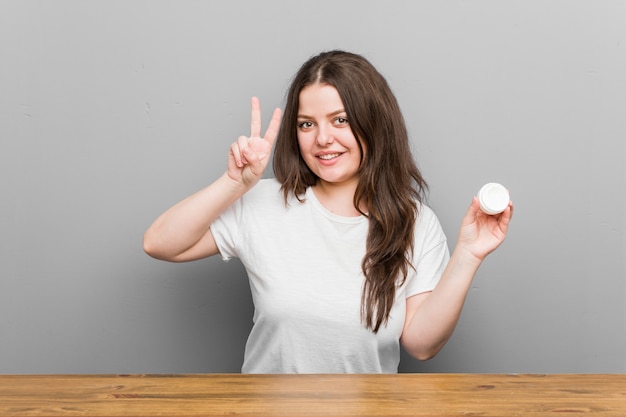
[266, 188]
[267, 184]
[427, 226]
[425, 215]
[266, 193]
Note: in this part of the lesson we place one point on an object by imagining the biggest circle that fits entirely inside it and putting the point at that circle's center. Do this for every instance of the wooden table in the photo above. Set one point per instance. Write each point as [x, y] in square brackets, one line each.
[433, 395]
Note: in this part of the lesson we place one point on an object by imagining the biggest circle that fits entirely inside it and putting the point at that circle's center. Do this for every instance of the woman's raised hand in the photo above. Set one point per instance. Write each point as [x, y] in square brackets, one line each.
[480, 233]
[249, 155]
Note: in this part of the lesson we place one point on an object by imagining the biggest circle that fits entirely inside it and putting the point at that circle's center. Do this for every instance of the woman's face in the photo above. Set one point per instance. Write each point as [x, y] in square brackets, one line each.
[326, 142]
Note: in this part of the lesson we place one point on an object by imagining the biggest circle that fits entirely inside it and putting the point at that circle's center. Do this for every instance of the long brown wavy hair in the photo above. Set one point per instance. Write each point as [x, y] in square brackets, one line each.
[390, 184]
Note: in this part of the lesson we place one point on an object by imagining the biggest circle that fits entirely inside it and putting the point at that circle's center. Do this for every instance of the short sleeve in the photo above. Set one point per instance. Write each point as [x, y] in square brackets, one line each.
[242, 219]
[225, 230]
[431, 254]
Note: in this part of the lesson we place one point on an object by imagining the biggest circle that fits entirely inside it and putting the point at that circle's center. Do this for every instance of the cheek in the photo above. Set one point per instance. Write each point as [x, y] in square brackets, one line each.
[357, 144]
[303, 148]
[305, 140]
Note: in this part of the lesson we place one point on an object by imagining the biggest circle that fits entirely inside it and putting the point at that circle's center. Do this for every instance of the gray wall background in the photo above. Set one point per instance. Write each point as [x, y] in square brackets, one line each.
[111, 111]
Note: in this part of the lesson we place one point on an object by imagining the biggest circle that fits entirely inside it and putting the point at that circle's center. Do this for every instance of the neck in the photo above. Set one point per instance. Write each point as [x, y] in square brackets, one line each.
[338, 198]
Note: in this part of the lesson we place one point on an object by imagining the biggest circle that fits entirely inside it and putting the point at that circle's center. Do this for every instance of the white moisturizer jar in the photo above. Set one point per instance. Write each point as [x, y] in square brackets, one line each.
[493, 198]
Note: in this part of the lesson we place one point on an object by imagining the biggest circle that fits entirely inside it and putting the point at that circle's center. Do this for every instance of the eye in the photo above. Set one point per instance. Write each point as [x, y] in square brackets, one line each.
[341, 121]
[305, 125]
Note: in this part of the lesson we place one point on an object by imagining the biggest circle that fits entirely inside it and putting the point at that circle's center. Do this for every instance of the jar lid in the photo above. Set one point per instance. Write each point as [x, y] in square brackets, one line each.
[494, 198]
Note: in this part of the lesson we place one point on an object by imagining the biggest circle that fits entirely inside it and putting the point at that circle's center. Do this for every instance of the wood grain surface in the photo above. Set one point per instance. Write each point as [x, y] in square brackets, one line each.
[433, 395]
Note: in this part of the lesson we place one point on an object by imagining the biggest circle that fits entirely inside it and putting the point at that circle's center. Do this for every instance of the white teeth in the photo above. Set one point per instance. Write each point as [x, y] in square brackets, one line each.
[329, 156]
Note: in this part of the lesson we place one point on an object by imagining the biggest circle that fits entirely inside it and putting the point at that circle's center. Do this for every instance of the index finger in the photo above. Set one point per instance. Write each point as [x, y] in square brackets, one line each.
[255, 118]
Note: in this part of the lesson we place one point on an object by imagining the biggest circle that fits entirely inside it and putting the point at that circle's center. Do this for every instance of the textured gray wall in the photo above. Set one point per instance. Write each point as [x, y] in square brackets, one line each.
[111, 111]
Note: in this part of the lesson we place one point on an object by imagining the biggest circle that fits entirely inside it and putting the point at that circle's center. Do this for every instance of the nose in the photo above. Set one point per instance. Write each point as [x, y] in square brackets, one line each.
[324, 136]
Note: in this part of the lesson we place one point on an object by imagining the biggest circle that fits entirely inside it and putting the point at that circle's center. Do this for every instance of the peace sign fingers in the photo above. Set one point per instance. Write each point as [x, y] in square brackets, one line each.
[255, 122]
[249, 156]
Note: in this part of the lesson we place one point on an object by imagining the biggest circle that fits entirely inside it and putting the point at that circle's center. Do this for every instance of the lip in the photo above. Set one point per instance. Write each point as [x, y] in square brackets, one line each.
[320, 154]
[331, 161]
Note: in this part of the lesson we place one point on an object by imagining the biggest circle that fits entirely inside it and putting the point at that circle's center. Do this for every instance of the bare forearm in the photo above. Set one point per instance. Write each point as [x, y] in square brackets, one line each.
[434, 320]
[186, 225]
[183, 232]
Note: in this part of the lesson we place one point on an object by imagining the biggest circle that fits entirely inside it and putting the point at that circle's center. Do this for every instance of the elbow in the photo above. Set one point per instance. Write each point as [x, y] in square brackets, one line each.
[149, 247]
[427, 355]
[152, 248]
[157, 249]
[423, 352]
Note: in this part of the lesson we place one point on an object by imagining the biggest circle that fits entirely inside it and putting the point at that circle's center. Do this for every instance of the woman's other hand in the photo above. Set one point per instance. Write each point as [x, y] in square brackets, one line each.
[480, 233]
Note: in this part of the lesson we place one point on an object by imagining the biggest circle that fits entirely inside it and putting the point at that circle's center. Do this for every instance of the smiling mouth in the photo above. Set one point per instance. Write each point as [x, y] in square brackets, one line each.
[329, 156]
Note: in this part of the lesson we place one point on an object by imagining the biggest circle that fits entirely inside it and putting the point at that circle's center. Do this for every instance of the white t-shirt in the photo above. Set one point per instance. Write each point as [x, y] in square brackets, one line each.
[304, 267]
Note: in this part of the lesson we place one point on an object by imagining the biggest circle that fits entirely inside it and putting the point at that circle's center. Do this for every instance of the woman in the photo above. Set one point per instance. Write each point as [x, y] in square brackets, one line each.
[345, 261]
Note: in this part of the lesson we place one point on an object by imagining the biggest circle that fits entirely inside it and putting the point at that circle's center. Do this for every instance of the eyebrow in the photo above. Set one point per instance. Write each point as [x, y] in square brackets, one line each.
[336, 112]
